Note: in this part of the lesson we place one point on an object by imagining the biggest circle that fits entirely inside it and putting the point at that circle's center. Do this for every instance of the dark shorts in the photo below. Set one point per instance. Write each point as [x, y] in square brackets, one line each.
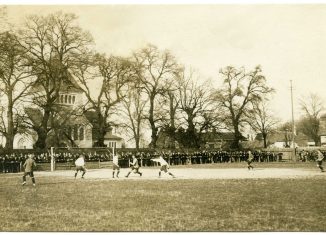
[164, 168]
[80, 168]
[31, 174]
[135, 168]
[116, 167]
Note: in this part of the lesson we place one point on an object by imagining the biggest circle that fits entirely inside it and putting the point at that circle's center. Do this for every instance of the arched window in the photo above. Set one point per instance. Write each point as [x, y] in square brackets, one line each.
[81, 133]
[73, 99]
[69, 99]
[61, 99]
[66, 99]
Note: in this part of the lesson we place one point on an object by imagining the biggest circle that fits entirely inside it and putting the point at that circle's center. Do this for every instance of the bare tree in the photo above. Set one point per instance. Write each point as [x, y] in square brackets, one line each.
[312, 108]
[112, 75]
[155, 70]
[261, 119]
[54, 44]
[196, 105]
[239, 90]
[134, 104]
[15, 79]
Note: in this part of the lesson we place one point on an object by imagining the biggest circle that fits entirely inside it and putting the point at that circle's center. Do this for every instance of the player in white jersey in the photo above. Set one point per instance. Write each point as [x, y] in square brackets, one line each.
[164, 166]
[134, 166]
[319, 160]
[115, 165]
[250, 160]
[80, 166]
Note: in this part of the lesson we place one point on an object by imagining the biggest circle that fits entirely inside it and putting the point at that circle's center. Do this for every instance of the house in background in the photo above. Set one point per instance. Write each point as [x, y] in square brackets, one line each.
[219, 140]
[75, 128]
[210, 140]
[283, 139]
[322, 130]
[110, 140]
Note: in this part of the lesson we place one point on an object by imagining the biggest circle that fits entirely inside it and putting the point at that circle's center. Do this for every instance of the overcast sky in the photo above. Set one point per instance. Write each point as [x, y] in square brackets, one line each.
[288, 41]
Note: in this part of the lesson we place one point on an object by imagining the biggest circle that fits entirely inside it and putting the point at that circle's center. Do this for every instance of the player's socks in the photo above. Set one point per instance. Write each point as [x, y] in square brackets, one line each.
[159, 174]
[113, 174]
[118, 174]
[33, 180]
[75, 175]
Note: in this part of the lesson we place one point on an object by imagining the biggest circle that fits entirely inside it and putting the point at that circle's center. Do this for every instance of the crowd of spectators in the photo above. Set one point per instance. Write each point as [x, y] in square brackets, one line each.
[13, 162]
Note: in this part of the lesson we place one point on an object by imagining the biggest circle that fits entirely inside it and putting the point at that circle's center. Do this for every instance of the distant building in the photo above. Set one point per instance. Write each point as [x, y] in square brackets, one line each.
[219, 140]
[322, 130]
[76, 128]
[110, 140]
[283, 139]
[209, 140]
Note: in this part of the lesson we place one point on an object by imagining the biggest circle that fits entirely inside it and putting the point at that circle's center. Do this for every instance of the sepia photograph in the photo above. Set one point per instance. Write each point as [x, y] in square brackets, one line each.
[142, 117]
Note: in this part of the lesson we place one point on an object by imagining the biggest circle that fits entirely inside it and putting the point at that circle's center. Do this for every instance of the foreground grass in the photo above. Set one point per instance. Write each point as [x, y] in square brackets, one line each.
[58, 204]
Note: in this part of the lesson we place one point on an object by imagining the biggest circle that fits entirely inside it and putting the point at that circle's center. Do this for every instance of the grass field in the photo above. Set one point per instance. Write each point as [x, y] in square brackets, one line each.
[60, 203]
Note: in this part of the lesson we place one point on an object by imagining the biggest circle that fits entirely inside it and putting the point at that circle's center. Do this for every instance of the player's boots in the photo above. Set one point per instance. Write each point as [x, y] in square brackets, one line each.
[321, 169]
[127, 175]
[171, 175]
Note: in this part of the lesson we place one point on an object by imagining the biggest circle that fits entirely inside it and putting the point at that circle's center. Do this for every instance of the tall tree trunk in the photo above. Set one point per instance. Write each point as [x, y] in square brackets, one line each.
[172, 121]
[237, 136]
[102, 130]
[42, 131]
[192, 135]
[137, 142]
[152, 123]
[265, 139]
[137, 135]
[10, 123]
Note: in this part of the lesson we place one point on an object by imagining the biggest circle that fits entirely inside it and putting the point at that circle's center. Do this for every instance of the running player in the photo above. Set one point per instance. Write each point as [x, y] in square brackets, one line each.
[134, 166]
[80, 165]
[319, 160]
[115, 165]
[29, 167]
[250, 160]
[164, 166]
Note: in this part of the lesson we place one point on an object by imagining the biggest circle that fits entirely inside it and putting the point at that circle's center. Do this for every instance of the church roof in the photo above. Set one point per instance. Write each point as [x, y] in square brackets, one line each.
[69, 85]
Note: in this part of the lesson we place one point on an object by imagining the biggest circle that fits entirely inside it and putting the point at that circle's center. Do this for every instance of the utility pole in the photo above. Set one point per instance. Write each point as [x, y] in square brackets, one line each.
[293, 131]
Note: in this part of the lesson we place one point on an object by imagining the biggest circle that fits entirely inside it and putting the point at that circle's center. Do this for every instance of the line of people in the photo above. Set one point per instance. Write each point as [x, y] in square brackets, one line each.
[30, 165]
[12, 163]
[176, 157]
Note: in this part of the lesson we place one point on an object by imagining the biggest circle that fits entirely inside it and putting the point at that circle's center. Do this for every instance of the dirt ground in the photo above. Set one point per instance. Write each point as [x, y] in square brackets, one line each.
[194, 173]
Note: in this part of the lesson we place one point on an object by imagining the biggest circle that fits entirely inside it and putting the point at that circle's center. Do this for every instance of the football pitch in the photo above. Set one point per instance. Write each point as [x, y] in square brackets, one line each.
[217, 197]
